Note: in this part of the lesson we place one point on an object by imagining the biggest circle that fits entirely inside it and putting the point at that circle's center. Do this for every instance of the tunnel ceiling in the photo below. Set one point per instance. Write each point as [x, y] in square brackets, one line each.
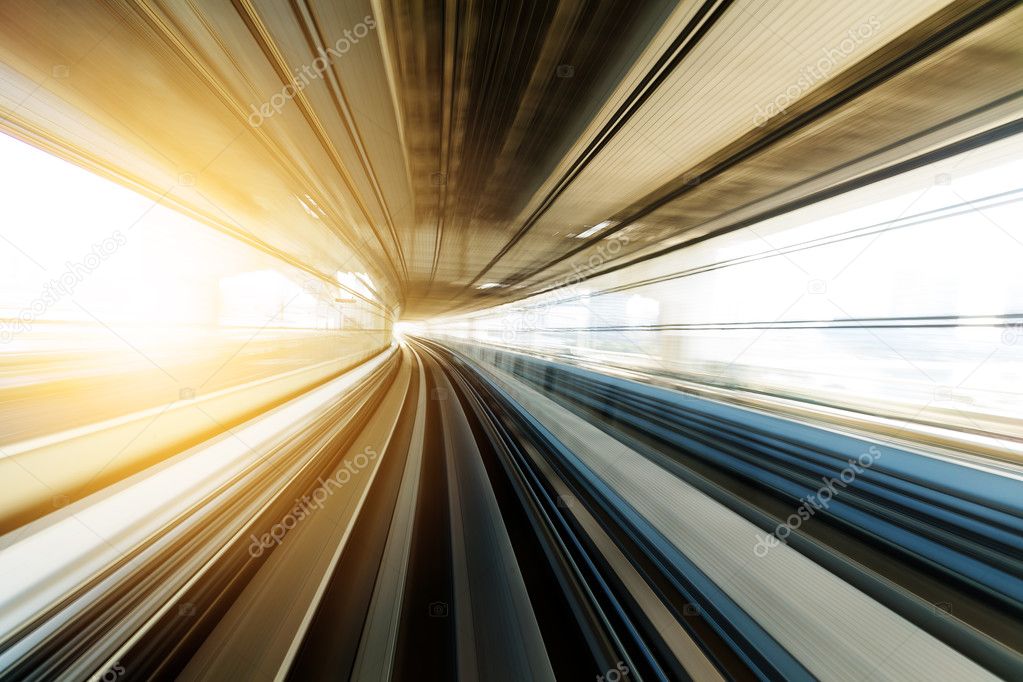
[455, 151]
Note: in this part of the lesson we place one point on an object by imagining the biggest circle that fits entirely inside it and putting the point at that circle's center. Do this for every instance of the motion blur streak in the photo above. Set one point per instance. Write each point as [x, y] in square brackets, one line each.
[579, 339]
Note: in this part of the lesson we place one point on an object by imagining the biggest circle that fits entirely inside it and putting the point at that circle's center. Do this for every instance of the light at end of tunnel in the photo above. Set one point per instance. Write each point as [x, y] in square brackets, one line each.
[406, 329]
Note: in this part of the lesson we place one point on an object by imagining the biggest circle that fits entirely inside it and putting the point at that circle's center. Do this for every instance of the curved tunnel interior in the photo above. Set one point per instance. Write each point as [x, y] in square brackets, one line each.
[387, 340]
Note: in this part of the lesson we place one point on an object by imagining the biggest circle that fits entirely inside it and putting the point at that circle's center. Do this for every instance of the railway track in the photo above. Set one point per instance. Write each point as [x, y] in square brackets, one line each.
[513, 517]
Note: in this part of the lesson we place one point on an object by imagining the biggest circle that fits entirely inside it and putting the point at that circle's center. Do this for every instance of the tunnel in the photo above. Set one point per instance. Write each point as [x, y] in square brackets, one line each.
[511, 340]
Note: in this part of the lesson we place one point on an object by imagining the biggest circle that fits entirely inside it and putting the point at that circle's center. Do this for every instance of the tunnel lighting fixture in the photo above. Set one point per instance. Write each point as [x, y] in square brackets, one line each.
[312, 202]
[593, 230]
[488, 285]
[306, 207]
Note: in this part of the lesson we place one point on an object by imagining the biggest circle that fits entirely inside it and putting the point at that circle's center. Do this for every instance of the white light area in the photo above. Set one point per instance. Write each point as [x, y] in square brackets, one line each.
[156, 266]
[406, 329]
[53, 210]
[593, 230]
[488, 285]
[572, 315]
[357, 282]
[266, 298]
[640, 310]
[368, 281]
